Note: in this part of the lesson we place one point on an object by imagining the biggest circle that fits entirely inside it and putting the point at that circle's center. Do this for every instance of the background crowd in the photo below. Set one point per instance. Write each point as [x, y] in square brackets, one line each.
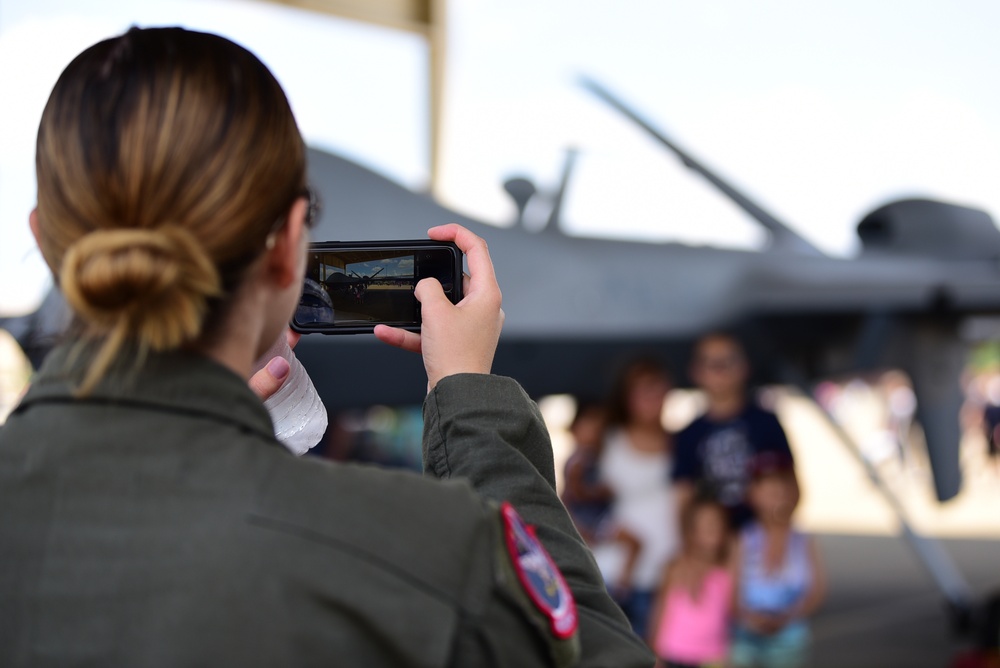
[694, 531]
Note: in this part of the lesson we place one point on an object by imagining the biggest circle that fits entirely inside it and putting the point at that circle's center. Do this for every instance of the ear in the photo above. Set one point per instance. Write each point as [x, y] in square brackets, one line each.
[33, 224]
[286, 247]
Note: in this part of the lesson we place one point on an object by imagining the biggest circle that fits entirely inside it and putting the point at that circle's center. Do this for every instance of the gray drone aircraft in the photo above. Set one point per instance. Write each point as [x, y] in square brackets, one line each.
[576, 306]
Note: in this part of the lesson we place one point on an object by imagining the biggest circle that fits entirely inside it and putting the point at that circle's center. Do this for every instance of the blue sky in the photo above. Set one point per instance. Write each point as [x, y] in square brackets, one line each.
[821, 110]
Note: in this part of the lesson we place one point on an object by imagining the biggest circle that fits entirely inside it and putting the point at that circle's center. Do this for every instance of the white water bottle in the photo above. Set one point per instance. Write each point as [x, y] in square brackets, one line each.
[297, 412]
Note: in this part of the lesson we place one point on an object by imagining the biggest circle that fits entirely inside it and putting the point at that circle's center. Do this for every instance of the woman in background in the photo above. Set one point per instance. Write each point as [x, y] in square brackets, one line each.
[635, 465]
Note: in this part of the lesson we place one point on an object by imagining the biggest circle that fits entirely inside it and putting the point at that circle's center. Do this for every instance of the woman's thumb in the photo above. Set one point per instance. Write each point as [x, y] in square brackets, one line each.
[429, 292]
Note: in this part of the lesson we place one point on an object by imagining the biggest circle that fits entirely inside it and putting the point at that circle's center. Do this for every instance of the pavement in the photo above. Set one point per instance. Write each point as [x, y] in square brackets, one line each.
[883, 611]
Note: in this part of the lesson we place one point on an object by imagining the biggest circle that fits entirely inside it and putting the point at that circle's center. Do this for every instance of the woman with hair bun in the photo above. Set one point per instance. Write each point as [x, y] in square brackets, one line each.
[148, 515]
[635, 465]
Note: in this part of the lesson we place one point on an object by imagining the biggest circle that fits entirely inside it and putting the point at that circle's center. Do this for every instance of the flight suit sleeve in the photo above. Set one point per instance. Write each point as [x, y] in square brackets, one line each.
[486, 430]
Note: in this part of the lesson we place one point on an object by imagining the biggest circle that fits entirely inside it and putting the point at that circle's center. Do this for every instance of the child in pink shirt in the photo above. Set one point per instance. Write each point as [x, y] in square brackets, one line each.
[690, 624]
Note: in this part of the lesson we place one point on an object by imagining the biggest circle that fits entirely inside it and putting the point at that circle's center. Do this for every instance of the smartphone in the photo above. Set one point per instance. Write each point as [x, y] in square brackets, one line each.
[351, 286]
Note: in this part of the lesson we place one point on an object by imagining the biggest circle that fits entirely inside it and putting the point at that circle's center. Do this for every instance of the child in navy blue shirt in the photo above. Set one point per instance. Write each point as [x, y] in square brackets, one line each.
[713, 454]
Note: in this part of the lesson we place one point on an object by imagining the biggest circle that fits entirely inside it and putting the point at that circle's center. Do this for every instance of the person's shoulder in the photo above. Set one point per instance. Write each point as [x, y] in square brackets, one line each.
[760, 418]
[748, 531]
[389, 520]
[429, 557]
[673, 569]
[755, 411]
[576, 461]
[309, 486]
[798, 533]
[693, 429]
[615, 443]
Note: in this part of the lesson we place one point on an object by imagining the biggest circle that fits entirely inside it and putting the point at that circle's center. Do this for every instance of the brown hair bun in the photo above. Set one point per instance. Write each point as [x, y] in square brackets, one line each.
[147, 286]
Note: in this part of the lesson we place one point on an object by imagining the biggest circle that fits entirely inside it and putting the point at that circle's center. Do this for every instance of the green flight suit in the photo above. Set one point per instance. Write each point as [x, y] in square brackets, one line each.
[159, 523]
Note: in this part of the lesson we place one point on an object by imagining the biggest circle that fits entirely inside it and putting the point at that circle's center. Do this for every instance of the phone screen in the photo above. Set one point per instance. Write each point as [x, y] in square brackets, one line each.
[351, 288]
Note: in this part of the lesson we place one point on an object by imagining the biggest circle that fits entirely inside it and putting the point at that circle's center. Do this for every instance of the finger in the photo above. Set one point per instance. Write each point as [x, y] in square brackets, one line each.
[429, 291]
[474, 247]
[292, 337]
[465, 282]
[266, 382]
[399, 338]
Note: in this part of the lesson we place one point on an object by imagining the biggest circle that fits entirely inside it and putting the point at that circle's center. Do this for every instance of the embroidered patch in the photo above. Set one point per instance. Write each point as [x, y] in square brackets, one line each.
[539, 575]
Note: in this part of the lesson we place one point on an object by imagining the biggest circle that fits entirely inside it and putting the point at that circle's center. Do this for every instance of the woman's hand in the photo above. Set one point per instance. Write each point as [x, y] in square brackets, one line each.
[455, 338]
[272, 376]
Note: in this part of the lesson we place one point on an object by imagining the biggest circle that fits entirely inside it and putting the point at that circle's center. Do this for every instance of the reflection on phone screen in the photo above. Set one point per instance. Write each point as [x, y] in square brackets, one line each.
[364, 287]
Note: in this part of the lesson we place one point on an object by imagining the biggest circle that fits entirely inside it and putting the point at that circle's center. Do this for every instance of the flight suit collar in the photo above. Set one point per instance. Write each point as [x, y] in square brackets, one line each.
[178, 381]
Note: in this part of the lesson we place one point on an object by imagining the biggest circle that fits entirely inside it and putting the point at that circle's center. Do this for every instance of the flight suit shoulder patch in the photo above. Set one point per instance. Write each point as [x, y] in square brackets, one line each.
[538, 574]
